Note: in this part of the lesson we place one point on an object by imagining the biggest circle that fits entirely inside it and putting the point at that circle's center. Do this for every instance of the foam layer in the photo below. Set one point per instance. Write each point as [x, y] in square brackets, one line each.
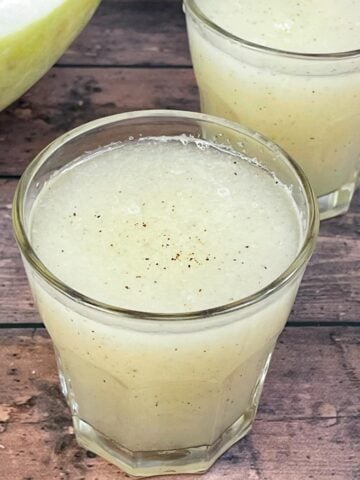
[160, 226]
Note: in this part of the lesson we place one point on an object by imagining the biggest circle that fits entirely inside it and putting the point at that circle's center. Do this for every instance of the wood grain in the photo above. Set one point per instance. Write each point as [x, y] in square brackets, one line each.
[133, 32]
[66, 98]
[308, 425]
[330, 291]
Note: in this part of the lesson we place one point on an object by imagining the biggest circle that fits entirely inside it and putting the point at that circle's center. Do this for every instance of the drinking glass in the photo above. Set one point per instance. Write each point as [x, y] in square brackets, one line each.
[158, 393]
[307, 103]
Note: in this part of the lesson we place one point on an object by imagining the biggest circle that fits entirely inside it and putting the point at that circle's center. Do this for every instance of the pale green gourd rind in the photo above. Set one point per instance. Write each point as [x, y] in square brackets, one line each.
[28, 54]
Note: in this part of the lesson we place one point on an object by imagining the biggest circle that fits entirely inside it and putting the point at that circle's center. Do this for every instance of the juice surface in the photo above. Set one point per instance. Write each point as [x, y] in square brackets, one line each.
[159, 226]
[307, 26]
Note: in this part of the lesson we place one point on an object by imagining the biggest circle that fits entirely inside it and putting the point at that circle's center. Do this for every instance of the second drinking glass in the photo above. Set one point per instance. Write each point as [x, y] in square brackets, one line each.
[308, 103]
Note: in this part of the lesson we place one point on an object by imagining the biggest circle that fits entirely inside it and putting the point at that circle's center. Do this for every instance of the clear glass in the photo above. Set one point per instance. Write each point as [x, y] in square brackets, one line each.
[307, 103]
[152, 402]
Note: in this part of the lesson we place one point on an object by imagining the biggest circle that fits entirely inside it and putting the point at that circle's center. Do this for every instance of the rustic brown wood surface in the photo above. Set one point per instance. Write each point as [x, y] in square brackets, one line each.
[134, 55]
[66, 98]
[133, 33]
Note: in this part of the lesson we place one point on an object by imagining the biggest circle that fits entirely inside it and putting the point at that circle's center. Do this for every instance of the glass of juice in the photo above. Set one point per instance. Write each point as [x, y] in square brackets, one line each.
[164, 250]
[291, 70]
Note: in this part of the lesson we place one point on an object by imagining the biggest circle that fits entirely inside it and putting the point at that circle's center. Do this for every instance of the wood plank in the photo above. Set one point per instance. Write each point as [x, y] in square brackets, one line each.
[66, 98]
[330, 291]
[308, 425]
[133, 32]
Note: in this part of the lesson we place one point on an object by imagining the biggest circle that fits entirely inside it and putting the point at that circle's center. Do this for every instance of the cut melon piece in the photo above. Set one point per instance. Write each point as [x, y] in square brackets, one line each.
[33, 35]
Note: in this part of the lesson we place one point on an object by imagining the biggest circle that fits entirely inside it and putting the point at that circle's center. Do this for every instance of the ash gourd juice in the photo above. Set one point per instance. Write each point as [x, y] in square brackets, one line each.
[164, 225]
[310, 107]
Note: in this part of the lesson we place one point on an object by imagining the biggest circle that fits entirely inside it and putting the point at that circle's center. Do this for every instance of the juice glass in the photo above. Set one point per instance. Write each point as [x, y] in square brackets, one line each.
[307, 103]
[158, 393]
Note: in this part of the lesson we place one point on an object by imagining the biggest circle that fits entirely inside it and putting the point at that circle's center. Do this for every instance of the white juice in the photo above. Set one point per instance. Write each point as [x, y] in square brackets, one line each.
[309, 107]
[164, 225]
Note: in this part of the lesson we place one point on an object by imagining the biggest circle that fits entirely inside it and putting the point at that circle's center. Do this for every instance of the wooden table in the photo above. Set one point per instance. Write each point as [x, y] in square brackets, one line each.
[132, 56]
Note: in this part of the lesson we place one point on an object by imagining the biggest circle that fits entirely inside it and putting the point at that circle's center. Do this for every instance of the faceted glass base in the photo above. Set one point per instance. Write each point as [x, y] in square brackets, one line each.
[165, 462]
[337, 202]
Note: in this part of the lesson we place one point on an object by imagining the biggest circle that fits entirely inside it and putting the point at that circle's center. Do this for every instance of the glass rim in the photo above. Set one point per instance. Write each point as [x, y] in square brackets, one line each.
[305, 250]
[202, 17]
